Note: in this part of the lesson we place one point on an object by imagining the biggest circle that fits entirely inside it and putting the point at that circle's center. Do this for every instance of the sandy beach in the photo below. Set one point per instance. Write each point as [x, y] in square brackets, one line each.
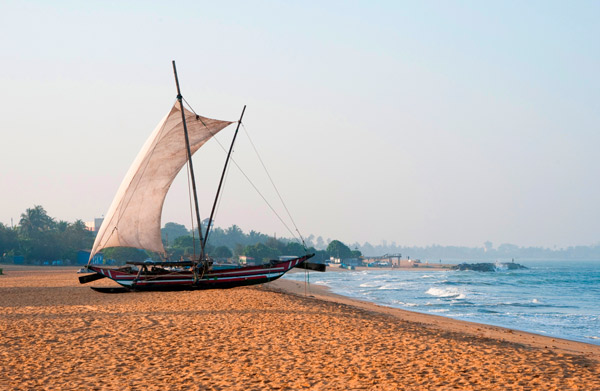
[60, 335]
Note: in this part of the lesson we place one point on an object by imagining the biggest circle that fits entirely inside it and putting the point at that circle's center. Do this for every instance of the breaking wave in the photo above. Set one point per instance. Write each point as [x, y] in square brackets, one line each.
[446, 293]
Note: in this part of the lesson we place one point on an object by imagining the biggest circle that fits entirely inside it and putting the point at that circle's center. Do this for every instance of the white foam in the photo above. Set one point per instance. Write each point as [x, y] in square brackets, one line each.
[392, 286]
[445, 292]
[411, 304]
[500, 267]
[369, 284]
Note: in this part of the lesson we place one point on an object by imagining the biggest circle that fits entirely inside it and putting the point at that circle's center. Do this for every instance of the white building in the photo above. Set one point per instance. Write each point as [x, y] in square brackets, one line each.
[94, 225]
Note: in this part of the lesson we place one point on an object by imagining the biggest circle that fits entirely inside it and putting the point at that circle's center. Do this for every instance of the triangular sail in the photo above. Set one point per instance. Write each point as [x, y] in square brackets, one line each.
[133, 219]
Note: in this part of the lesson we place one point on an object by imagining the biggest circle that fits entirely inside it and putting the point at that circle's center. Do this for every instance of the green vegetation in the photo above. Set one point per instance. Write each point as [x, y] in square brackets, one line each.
[124, 254]
[338, 249]
[41, 238]
[233, 242]
[172, 231]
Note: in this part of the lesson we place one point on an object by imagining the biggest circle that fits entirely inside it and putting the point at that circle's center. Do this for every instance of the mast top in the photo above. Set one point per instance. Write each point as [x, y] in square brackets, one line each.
[179, 97]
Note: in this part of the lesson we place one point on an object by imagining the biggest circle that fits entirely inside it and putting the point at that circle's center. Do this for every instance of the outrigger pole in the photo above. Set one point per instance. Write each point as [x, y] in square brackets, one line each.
[189, 155]
[212, 212]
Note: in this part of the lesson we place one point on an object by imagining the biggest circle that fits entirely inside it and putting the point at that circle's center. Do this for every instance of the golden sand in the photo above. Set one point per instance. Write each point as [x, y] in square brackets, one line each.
[57, 334]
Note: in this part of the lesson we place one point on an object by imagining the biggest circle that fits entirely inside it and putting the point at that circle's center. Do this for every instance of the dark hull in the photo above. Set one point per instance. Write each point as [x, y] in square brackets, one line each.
[159, 279]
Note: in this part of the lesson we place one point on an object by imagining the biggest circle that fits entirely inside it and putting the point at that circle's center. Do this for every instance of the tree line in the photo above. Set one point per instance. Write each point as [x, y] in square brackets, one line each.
[39, 238]
[233, 242]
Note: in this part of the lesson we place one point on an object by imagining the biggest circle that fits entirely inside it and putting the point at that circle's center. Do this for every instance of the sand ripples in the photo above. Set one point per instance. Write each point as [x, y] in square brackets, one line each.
[69, 337]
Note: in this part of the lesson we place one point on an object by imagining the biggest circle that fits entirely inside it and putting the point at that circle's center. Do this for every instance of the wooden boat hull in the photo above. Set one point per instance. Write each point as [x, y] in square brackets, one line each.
[178, 279]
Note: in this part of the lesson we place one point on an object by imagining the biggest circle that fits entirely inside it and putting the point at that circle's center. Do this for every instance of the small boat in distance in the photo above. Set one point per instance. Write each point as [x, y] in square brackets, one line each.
[134, 217]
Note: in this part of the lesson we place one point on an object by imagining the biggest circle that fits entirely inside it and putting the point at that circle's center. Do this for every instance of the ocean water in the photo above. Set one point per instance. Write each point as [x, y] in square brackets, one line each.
[553, 298]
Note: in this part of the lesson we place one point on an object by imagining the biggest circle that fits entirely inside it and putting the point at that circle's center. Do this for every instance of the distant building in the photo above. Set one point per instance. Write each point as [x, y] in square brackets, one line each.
[94, 225]
[395, 260]
[392, 260]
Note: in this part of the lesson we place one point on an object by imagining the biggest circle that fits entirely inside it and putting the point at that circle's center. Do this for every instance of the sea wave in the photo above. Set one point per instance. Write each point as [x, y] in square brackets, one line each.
[445, 293]
[531, 304]
[487, 311]
[369, 284]
[401, 303]
[559, 299]
[392, 286]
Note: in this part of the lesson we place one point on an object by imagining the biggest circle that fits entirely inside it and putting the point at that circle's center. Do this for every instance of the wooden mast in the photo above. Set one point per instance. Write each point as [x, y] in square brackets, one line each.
[189, 155]
[212, 212]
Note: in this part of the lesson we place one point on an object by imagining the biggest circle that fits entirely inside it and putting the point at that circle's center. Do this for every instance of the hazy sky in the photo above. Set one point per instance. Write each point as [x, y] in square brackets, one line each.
[449, 122]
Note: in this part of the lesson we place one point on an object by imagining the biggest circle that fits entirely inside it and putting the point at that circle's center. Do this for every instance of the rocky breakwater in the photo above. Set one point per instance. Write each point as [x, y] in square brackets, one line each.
[489, 267]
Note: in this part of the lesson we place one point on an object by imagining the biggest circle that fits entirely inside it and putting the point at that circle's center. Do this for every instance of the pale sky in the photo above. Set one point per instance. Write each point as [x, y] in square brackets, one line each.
[446, 122]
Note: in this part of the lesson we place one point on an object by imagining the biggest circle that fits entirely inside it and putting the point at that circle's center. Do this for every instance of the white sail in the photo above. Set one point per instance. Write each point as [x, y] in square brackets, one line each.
[133, 219]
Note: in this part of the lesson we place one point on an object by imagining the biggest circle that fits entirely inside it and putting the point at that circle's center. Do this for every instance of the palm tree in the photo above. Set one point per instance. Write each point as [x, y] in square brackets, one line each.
[35, 220]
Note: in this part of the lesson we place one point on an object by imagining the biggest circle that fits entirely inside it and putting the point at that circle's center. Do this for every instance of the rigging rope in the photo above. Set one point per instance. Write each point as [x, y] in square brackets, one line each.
[275, 187]
[222, 193]
[301, 238]
[263, 197]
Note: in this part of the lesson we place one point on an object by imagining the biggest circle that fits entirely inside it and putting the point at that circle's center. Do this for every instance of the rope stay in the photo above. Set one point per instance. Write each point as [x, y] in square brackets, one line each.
[212, 212]
[298, 237]
[274, 187]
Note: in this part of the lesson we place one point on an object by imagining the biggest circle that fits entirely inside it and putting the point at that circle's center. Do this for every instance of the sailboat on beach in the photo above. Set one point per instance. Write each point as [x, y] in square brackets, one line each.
[134, 217]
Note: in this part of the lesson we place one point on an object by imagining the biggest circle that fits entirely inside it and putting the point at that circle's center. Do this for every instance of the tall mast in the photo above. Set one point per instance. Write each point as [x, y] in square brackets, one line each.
[212, 212]
[189, 155]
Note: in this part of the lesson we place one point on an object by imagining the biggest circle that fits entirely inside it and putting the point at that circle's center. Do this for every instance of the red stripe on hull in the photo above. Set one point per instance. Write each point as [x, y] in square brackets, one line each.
[226, 278]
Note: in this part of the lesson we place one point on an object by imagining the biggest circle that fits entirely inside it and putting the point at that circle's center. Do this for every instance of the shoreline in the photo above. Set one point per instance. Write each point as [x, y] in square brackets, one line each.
[513, 324]
[324, 293]
[478, 330]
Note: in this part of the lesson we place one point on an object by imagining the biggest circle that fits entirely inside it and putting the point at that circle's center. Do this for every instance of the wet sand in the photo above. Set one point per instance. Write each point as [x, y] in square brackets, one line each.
[57, 334]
